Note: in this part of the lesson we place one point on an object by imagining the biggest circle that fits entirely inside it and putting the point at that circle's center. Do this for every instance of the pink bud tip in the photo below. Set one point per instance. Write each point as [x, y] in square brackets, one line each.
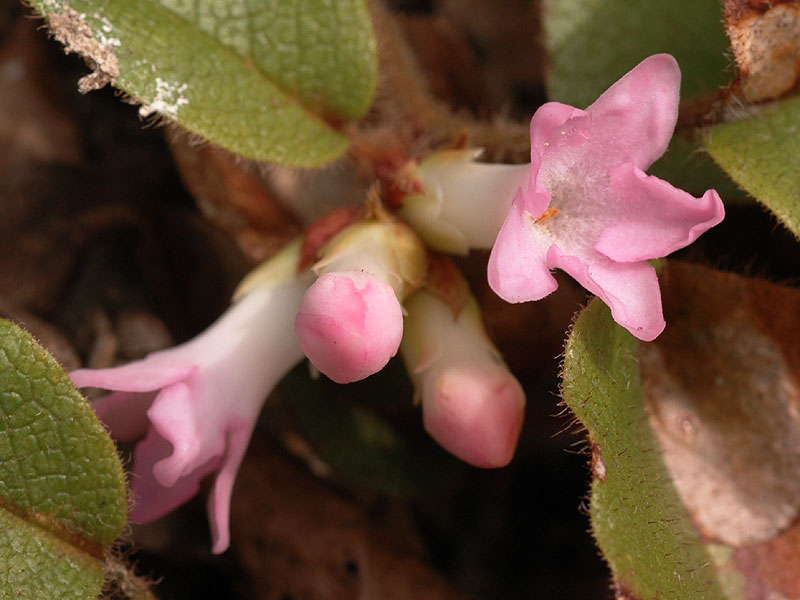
[349, 325]
[476, 414]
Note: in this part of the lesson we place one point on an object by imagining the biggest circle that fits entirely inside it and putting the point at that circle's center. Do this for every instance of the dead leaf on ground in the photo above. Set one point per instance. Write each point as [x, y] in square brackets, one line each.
[299, 538]
[723, 392]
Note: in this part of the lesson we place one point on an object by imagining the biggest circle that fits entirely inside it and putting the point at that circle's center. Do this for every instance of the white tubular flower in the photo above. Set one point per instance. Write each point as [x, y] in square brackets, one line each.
[463, 203]
[195, 405]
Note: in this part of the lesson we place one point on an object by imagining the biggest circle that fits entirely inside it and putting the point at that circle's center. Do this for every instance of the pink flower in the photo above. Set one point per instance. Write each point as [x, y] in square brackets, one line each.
[590, 209]
[349, 325]
[196, 404]
[351, 321]
[471, 404]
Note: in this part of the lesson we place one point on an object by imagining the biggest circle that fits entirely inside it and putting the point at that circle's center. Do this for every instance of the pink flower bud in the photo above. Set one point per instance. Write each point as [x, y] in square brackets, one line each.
[471, 404]
[349, 325]
[475, 413]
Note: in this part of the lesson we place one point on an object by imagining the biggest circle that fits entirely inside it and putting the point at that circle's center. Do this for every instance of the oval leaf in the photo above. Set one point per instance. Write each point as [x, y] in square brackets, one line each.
[62, 488]
[638, 520]
[761, 154]
[270, 80]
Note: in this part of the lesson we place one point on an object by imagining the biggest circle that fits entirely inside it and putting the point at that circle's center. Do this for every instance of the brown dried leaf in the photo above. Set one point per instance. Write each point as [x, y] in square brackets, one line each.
[511, 48]
[47, 215]
[301, 539]
[723, 392]
[765, 38]
[48, 335]
[69, 27]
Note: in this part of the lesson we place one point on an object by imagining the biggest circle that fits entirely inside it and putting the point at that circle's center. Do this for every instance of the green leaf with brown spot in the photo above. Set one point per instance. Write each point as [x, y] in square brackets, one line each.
[272, 80]
[63, 501]
[762, 155]
[638, 520]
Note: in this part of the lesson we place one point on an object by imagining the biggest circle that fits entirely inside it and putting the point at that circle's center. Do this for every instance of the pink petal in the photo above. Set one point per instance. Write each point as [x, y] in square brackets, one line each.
[125, 413]
[546, 124]
[219, 500]
[349, 325]
[633, 120]
[517, 270]
[655, 217]
[177, 415]
[629, 289]
[147, 375]
[476, 414]
[150, 499]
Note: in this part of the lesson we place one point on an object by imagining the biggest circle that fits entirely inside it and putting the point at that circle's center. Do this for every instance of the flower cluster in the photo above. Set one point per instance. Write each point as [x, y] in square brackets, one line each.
[584, 205]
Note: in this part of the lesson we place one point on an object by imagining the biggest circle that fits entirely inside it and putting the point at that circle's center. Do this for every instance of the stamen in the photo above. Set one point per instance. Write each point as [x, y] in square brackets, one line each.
[548, 214]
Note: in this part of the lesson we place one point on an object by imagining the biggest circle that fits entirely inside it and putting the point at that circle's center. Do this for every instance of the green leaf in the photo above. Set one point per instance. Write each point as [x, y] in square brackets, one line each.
[271, 80]
[638, 520]
[355, 429]
[687, 166]
[62, 489]
[592, 43]
[761, 154]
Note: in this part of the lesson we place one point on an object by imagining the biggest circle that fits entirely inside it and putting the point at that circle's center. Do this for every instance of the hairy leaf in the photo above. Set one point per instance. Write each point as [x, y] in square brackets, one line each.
[761, 154]
[62, 489]
[638, 520]
[271, 80]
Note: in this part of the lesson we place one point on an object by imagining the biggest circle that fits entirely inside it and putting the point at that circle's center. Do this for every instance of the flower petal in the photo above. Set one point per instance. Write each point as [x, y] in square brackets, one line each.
[517, 270]
[150, 499]
[219, 500]
[629, 289]
[548, 119]
[632, 121]
[177, 414]
[655, 217]
[147, 375]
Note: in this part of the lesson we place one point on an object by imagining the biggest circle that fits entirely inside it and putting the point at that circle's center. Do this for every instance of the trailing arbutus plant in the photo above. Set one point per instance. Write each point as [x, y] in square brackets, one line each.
[361, 293]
